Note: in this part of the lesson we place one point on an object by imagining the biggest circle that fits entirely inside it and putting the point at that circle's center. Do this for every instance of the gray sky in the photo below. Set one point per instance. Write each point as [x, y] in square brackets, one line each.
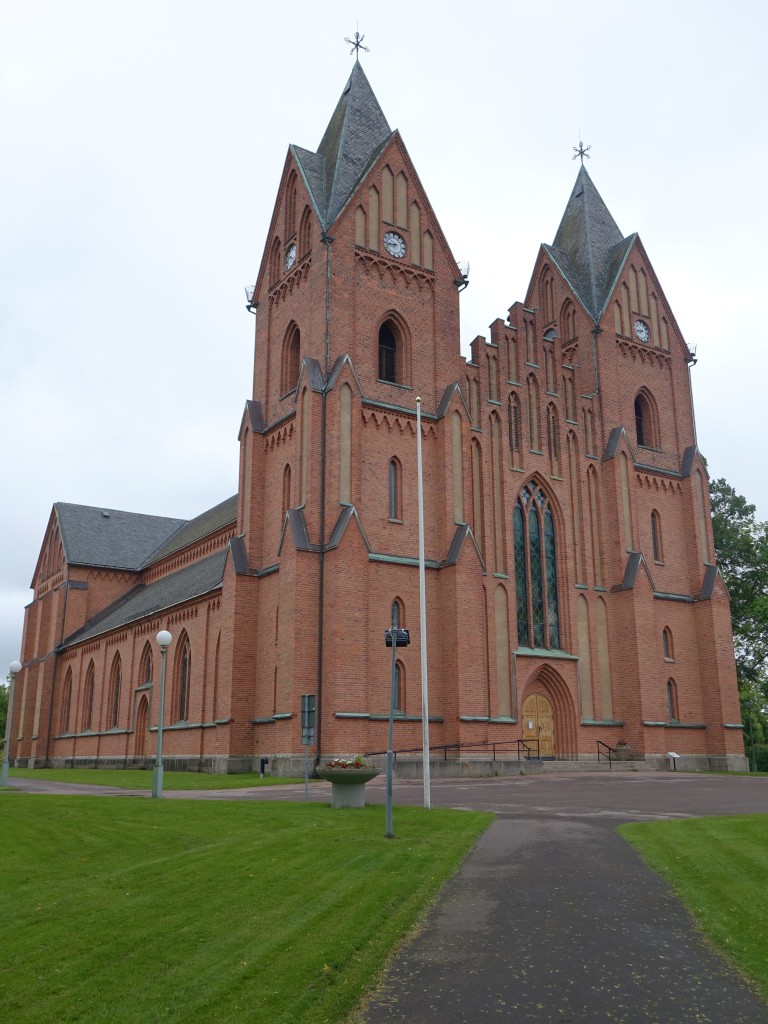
[143, 146]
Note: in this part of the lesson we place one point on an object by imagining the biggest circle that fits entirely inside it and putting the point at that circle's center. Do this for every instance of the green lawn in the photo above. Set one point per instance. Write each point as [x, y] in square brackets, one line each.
[719, 868]
[155, 912]
[134, 778]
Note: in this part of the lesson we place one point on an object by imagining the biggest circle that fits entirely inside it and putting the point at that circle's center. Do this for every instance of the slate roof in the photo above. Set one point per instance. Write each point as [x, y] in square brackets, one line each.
[208, 522]
[589, 248]
[111, 539]
[356, 134]
[190, 582]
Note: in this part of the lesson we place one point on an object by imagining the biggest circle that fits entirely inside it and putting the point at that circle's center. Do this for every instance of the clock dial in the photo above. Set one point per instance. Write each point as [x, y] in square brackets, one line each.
[642, 331]
[394, 244]
[290, 256]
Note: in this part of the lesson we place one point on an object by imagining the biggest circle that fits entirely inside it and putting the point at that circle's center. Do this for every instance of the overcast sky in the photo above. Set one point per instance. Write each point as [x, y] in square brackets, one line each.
[143, 144]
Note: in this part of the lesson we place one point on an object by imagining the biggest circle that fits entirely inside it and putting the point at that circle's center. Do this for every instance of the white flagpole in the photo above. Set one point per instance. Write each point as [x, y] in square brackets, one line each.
[423, 620]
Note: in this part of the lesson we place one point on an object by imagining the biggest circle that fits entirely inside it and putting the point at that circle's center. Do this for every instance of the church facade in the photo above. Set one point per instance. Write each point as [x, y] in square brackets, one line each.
[572, 593]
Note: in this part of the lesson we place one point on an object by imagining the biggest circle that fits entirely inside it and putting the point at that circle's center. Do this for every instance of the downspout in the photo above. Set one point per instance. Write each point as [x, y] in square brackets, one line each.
[596, 330]
[321, 609]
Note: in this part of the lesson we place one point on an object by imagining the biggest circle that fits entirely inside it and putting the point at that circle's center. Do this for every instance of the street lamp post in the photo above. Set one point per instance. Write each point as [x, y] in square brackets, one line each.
[393, 638]
[164, 639]
[13, 669]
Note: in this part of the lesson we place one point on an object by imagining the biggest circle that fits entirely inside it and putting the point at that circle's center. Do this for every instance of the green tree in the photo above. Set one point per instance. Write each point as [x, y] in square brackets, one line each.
[741, 543]
[3, 712]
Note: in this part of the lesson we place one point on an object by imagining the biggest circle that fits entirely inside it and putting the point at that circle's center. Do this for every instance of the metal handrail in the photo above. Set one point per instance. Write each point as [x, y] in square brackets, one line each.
[527, 750]
[601, 753]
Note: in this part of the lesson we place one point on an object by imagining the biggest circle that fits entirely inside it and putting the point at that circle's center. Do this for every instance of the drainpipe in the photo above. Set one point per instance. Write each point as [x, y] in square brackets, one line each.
[327, 240]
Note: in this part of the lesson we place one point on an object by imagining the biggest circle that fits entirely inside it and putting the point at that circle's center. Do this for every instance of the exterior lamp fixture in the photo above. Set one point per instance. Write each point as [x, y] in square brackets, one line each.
[164, 639]
[13, 669]
[393, 638]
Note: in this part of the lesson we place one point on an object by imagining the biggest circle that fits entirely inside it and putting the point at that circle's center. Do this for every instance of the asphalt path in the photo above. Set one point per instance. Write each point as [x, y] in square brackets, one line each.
[553, 918]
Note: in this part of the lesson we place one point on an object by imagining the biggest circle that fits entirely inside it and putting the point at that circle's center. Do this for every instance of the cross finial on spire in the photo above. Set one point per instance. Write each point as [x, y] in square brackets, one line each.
[357, 44]
[582, 151]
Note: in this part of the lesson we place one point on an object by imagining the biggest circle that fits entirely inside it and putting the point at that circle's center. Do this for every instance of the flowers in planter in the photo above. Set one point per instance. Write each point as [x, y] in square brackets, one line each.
[622, 745]
[346, 762]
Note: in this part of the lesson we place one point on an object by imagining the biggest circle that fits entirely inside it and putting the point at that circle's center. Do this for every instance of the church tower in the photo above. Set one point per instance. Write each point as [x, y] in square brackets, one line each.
[357, 314]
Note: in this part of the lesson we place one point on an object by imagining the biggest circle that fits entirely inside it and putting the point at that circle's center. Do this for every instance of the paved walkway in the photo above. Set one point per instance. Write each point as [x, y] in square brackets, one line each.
[553, 918]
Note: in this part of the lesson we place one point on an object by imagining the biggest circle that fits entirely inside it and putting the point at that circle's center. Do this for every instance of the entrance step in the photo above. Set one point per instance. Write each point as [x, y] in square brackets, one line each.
[482, 767]
[591, 765]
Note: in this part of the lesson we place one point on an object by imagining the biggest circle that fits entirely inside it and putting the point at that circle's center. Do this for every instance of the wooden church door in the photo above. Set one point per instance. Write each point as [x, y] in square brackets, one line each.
[539, 723]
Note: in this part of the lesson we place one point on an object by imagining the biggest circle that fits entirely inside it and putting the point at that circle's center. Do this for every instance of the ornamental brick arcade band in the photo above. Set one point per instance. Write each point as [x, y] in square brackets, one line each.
[572, 590]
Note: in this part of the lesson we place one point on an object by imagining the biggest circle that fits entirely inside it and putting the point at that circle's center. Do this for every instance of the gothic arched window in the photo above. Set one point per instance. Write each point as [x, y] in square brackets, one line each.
[397, 704]
[674, 713]
[387, 353]
[114, 693]
[87, 716]
[395, 490]
[145, 666]
[646, 421]
[514, 429]
[305, 232]
[66, 703]
[291, 359]
[658, 550]
[286, 489]
[183, 674]
[538, 617]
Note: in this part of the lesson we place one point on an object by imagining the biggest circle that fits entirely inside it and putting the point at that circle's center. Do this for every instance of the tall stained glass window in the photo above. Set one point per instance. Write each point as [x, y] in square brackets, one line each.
[538, 619]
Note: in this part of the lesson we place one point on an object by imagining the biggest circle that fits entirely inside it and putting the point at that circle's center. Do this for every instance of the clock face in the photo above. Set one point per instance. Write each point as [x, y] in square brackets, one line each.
[394, 244]
[642, 331]
[290, 256]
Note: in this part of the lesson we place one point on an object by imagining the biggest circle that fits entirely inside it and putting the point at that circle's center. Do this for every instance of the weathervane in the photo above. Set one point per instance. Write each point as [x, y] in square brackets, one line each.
[357, 44]
[582, 151]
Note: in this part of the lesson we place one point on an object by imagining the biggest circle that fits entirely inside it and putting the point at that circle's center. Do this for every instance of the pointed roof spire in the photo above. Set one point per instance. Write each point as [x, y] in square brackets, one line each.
[354, 137]
[589, 247]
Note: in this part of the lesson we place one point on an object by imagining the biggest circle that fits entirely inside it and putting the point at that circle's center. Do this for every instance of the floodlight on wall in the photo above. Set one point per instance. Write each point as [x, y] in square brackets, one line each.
[402, 637]
[462, 280]
[250, 305]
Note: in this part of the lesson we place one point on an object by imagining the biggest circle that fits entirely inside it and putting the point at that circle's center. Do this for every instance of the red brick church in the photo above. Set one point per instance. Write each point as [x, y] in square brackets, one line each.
[571, 586]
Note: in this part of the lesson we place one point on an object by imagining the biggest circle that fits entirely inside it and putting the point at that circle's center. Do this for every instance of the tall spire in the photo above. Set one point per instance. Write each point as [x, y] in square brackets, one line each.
[589, 247]
[354, 137]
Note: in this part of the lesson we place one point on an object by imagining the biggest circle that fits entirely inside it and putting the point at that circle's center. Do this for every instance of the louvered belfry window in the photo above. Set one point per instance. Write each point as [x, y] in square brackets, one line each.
[538, 620]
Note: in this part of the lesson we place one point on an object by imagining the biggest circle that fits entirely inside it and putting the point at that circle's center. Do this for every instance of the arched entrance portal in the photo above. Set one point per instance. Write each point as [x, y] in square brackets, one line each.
[140, 732]
[539, 724]
[549, 703]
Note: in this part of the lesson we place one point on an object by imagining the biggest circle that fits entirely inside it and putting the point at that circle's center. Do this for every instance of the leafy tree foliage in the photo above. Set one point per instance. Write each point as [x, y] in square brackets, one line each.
[741, 543]
[3, 712]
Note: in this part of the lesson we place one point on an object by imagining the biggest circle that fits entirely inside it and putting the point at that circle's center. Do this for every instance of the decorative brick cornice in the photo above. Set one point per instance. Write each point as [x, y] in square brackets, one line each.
[645, 353]
[395, 271]
[184, 615]
[281, 436]
[192, 554]
[292, 281]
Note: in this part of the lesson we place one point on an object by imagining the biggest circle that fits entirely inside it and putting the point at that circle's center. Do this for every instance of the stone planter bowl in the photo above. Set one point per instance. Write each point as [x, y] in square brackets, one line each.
[347, 784]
